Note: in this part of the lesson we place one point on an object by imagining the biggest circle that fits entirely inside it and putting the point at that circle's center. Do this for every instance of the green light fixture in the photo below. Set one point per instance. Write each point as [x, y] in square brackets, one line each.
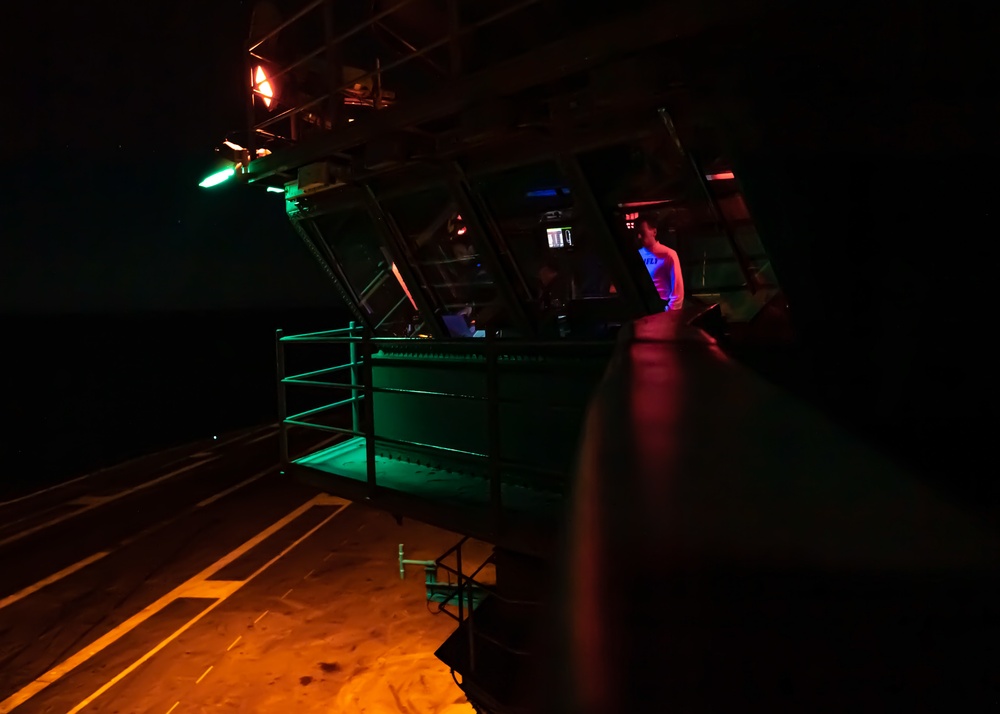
[218, 177]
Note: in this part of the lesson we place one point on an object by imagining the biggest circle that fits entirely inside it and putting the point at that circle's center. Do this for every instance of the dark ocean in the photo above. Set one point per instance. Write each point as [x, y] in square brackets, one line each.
[82, 392]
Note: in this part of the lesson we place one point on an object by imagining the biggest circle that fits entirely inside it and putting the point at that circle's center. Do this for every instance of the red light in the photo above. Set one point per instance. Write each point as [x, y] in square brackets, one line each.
[642, 204]
[262, 86]
[720, 176]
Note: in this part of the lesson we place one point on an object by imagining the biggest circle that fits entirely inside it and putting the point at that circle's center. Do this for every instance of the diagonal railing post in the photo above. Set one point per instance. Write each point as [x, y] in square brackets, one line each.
[355, 379]
[369, 421]
[493, 427]
[279, 353]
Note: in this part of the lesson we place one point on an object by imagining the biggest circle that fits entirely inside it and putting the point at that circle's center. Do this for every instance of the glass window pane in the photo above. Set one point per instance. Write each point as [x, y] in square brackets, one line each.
[568, 289]
[450, 268]
[350, 237]
[698, 217]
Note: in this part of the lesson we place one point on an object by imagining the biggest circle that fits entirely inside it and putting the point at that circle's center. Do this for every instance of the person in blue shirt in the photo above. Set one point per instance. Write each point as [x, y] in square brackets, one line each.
[663, 265]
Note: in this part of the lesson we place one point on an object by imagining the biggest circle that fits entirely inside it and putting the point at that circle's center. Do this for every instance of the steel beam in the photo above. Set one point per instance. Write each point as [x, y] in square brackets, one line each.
[335, 276]
[334, 68]
[394, 244]
[627, 271]
[660, 23]
[485, 242]
[753, 284]
[493, 232]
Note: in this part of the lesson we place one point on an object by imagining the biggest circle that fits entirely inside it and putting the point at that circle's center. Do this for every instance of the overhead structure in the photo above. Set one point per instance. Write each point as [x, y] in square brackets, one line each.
[472, 176]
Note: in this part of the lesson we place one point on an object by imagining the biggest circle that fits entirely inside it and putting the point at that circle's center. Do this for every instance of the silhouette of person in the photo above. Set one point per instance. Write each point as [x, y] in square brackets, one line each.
[663, 265]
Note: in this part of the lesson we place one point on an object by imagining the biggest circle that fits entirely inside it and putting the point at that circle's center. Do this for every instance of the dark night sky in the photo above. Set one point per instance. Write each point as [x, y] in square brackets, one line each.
[110, 116]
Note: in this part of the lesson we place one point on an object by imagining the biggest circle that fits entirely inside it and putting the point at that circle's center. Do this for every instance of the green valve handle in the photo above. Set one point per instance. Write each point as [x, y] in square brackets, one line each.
[402, 570]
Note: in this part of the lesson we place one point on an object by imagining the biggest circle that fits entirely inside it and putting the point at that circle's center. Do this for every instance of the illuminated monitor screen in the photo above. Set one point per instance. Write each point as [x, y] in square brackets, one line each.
[559, 237]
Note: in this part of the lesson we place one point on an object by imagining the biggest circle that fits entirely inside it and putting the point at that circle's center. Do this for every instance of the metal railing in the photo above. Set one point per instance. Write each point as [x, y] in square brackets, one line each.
[461, 592]
[349, 334]
[331, 50]
[490, 352]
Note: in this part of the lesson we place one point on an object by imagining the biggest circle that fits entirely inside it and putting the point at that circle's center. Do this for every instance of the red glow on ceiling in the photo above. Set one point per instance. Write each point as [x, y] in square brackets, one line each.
[641, 204]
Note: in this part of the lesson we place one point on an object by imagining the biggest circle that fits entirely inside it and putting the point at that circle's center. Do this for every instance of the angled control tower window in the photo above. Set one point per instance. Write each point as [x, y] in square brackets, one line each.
[374, 281]
[661, 193]
[446, 256]
[568, 287]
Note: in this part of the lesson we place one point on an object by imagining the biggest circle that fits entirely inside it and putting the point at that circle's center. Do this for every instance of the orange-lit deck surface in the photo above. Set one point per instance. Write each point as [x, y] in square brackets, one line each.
[202, 581]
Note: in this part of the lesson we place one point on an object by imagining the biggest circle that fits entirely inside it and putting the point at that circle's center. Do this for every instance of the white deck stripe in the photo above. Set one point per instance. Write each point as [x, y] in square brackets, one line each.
[55, 577]
[135, 665]
[222, 494]
[184, 590]
[69, 570]
[89, 505]
[63, 484]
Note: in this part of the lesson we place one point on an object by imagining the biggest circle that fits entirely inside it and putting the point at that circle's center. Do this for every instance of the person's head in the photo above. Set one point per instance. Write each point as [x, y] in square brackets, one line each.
[647, 232]
[548, 271]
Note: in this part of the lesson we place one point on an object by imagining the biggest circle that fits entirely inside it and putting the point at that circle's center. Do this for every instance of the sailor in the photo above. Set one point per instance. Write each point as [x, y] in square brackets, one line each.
[663, 265]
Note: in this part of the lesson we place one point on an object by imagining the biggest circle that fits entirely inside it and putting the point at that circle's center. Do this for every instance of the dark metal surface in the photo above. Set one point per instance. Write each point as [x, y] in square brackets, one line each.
[752, 282]
[279, 349]
[394, 243]
[724, 532]
[627, 272]
[484, 244]
[339, 283]
[661, 23]
[369, 411]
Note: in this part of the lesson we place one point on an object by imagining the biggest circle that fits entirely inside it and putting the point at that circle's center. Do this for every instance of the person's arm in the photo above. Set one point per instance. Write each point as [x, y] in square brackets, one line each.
[676, 299]
[670, 273]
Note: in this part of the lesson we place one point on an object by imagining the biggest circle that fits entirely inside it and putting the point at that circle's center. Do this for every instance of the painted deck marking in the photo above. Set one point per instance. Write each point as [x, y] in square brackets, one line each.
[188, 589]
[222, 494]
[198, 681]
[55, 577]
[69, 570]
[57, 486]
[98, 501]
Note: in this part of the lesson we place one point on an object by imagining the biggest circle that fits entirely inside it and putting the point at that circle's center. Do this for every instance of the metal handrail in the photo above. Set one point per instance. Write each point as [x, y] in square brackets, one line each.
[465, 343]
[510, 463]
[294, 111]
[446, 395]
[442, 42]
[323, 427]
[313, 383]
[287, 23]
[324, 333]
[464, 582]
[453, 35]
[363, 390]
[320, 410]
[325, 370]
